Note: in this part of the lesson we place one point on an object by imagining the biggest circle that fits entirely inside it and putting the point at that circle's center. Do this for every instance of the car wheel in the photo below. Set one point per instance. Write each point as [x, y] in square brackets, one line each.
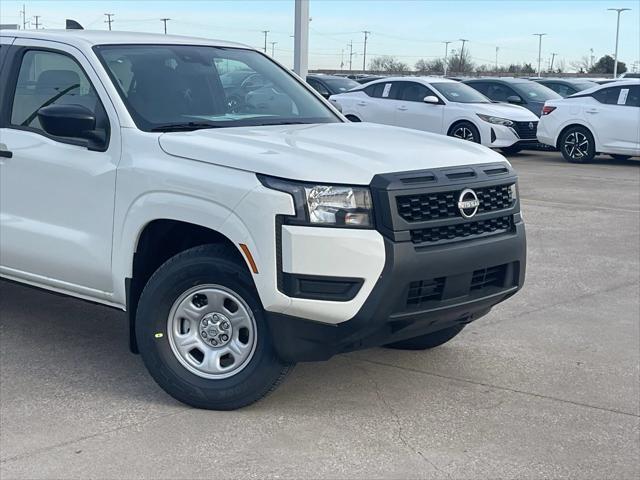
[353, 118]
[202, 334]
[512, 150]
[465, 131]
[620, 157]
[430, 340]
[577, 145]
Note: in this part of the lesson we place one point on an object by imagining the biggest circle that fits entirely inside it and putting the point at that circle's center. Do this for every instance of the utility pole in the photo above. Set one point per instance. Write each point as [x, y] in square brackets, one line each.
[553, 57]
[342, 59]
[109, 20]
[446, 56]
[301, 40]
[165, 20]
[266, 32]
[497, 50]
[351, 56]
[615, 59]
[24, 17]
[36, 17]
[539, 35]
[463, 40]
[364, 54]
[591, 58]
[273, 49]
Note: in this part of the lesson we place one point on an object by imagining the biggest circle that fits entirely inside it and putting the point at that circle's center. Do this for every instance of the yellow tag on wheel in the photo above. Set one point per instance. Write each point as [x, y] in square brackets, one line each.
[159, 335]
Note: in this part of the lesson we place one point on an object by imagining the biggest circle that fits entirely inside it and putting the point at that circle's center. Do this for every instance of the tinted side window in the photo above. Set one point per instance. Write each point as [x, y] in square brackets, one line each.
[560, 89]
[412, 92]
[48, 78]
[318, 87]
[482, 87]
[623, 96]
[633, 100]
[499, 92]
[378, 90]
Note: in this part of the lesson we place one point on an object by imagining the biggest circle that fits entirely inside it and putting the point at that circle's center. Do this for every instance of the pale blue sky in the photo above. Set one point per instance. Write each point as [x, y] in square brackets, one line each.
[407, 29]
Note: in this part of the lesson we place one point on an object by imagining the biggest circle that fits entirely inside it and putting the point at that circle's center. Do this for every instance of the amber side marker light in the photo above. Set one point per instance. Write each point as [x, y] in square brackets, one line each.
[247, 253]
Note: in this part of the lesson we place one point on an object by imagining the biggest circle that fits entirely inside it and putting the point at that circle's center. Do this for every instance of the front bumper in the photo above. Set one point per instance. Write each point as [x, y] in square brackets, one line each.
[426, 284]
[386, 316]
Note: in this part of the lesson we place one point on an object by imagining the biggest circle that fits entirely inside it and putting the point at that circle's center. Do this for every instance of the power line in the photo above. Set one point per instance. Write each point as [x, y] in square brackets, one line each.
[109, 20]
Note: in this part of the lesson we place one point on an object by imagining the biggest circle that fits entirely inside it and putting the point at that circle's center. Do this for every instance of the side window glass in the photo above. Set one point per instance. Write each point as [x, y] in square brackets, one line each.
[608, 96]
[414, 92]
[500, 92]
[481, 87]
[560, 89]
[377, 90]
[48, 78]
[320, 88]
[633, 99]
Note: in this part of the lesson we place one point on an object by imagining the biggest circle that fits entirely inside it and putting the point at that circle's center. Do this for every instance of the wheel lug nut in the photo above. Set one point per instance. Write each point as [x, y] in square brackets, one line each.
[224, 337]
[213, 342]
[204, 334]
[225, 325]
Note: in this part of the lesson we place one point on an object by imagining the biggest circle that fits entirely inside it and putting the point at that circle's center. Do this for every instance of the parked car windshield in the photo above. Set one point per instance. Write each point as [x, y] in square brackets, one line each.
[459, 92]
[339, 85]
[184, 87]
[535, 92]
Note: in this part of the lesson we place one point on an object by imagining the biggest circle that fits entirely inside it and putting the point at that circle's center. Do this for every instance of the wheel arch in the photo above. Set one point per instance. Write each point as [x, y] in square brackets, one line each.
[458, 121]
[577, 124]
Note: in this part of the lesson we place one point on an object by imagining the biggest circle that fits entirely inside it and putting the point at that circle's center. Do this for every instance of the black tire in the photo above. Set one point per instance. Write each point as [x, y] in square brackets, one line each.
[512, 150]
[465, 131]
[615, 156]
[430, 340]
[208, 264]
[353, 118]
[577, 145]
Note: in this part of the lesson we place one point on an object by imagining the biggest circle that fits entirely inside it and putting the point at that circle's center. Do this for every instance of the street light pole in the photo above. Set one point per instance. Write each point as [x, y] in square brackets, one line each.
[273, 49]
[615, 60]
[266, 32]
[446, 56]
[539, 35]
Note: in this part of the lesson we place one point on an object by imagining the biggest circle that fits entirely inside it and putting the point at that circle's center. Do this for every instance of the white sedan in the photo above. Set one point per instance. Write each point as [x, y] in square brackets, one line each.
[441, 106]
[603, 119]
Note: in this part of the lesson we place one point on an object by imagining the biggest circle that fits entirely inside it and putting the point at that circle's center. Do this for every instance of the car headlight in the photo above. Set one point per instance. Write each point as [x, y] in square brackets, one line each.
[326, 205]
[496, 120]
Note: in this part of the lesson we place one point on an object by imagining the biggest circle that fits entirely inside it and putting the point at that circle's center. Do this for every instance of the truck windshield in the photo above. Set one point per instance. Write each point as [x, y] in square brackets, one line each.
[185, 87]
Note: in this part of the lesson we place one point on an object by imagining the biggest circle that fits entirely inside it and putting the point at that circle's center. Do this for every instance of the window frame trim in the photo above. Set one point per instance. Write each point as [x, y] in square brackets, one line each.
[17, 57]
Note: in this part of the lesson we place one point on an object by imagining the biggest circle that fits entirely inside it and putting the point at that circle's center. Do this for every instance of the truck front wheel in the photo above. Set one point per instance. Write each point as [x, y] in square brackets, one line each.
[430, 340]
[201, 331]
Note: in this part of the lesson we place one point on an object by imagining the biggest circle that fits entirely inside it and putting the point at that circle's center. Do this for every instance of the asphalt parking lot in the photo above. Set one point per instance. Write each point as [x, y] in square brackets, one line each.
[547, 385]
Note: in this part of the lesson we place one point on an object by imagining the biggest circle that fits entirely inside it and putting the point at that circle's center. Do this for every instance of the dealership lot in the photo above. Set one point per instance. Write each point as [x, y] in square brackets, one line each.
[546, 385]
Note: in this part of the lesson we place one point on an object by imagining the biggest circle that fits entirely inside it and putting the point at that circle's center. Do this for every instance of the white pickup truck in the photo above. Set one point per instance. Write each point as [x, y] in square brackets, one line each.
[238, 218]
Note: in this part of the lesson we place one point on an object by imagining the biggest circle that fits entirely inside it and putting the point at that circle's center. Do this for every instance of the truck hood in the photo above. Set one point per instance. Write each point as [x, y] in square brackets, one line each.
[506, 110]
[333, 153]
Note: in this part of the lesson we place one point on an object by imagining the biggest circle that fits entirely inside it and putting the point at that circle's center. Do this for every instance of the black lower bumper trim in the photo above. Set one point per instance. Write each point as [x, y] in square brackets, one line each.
[387, 316]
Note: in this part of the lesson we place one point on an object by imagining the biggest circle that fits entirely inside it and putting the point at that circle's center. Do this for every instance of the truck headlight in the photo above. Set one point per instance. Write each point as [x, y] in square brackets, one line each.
[496, 120]
[326, 205]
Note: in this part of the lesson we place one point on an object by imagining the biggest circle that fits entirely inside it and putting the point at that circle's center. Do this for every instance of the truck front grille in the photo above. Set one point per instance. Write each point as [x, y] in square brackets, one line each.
[435, 206]
[425, 291]
[462, 230]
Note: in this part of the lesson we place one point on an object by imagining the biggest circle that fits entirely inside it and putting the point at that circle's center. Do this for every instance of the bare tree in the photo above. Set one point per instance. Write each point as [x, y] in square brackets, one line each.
[583, 65]
[430, 66]
[387, 63]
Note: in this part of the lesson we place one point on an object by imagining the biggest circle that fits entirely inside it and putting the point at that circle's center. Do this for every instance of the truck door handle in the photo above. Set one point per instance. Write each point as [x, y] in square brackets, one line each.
[403, 108]
[592, 110]
[362, 104]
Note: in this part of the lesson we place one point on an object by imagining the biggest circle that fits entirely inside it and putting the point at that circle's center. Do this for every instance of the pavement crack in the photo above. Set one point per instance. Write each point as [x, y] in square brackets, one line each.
[87, 437]
[497, 387]
[396, 418]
